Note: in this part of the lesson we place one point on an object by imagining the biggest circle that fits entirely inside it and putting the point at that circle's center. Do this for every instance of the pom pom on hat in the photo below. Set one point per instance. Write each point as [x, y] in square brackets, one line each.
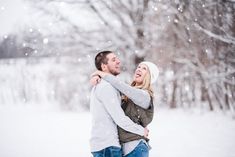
[153, 69]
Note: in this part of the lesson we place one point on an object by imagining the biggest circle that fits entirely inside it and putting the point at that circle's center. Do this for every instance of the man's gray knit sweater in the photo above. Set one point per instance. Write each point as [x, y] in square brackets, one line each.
[105, 107]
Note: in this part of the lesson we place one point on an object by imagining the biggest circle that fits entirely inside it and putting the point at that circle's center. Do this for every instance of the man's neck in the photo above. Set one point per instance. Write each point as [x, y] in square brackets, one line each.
[110, 73]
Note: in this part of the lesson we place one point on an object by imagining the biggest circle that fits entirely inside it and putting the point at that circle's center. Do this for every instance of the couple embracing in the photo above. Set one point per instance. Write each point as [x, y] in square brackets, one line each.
[121, 112]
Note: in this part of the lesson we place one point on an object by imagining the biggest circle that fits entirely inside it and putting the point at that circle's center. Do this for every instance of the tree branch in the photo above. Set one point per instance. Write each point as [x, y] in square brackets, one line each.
[227, 39]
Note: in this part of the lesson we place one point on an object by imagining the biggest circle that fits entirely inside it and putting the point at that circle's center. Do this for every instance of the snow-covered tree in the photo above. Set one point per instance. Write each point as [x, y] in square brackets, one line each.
[191, 41]
[201, 37]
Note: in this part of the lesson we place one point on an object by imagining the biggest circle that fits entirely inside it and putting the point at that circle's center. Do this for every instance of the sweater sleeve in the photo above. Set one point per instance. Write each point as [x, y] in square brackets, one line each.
[139, 96]
[112, 102]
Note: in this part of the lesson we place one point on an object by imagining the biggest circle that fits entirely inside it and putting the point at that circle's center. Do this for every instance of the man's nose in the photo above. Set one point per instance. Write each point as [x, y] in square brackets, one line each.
[118, 61]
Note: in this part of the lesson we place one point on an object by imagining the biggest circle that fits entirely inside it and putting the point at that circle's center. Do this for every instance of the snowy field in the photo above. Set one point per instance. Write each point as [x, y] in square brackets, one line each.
[34, 132]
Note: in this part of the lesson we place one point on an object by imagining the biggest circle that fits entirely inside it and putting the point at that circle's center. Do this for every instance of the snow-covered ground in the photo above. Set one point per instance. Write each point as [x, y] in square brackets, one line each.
[34, 132]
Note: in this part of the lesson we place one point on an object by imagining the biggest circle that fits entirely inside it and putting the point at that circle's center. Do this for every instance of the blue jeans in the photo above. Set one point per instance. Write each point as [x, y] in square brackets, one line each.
[108, 152]
[141, 150]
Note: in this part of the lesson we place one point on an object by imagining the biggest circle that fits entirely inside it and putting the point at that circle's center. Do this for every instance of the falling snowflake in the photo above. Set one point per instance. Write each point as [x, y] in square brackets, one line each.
[169, 20]
[154, 8]
[79, 60]
[118, 53]
[180, 9]
[2, 8]
[88, 56]
[24, 44]
[45, 41]
[176, 21]
[169, 74]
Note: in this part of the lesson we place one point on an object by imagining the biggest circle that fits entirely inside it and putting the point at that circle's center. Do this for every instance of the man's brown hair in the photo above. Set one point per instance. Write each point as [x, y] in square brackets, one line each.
[101, 58]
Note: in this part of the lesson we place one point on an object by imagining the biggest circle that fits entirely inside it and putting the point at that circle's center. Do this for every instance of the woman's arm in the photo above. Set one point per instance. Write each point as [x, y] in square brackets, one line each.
[139, 96]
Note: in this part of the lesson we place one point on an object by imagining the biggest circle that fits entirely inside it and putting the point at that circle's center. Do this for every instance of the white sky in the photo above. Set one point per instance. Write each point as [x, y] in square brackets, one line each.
[12, 13]
[15, 14]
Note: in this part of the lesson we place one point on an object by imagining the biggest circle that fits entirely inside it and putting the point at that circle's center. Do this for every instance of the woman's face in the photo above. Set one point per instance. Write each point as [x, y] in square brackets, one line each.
[140, 73]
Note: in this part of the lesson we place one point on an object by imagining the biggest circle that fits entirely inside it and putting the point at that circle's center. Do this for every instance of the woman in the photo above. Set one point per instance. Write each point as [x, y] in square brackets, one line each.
[137, 104]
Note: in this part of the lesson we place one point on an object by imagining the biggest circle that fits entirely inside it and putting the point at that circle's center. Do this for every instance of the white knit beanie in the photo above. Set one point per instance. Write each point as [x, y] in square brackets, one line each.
[153, 69]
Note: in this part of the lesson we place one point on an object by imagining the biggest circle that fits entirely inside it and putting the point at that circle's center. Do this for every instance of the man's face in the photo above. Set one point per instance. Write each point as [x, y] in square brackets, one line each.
[113, 65]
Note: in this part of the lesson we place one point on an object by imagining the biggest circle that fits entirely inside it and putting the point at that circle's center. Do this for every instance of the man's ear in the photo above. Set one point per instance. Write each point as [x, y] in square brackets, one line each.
[103, 67]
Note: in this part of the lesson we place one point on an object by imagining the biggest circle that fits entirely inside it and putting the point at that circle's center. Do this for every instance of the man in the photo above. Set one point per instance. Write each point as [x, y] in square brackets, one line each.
[105, 106]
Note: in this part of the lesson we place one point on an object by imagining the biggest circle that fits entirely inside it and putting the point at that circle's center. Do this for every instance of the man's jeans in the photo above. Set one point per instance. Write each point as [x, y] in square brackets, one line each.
[108, 152]
[141, 150]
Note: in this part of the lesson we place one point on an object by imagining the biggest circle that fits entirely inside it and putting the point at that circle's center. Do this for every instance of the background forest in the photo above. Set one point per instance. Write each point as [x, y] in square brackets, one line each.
[48, 59]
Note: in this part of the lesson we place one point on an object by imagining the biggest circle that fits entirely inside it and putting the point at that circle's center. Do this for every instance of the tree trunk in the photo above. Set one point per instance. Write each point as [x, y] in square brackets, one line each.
[173, 100]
